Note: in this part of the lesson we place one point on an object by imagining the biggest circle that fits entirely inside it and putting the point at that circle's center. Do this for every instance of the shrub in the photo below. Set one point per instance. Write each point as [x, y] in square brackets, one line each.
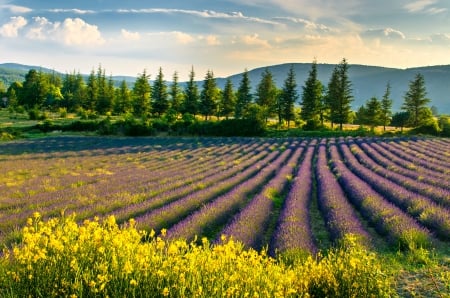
[431, 128]
[35, 114]
[133, 127]
[62, 112]
[160, 124]
[228, 128]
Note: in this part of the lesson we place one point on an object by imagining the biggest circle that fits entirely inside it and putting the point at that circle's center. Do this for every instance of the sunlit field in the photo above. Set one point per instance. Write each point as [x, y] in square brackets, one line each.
[238, 217]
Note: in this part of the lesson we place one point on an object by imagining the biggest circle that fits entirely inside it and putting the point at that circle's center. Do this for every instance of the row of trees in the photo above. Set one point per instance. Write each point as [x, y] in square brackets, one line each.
[98, 95]
[415, 111]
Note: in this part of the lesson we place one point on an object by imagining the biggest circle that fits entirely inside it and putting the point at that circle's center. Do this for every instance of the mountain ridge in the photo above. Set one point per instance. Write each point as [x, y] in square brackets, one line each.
[367, 81]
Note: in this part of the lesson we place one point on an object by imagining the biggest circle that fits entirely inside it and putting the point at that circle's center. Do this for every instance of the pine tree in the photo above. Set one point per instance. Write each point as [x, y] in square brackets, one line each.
[312, 98]
[228, 100]
[332, 94]
[266, 94]
[12, 93]
[176, 96]
[103, 101]
[191, 96]
[243, 97]
[386, 107]
[123, 103]
[141, 95]
[160, 101]
[339, 95]
[373, 112]
[400, 119]
[73, 91]
[91, 92]
[416, 101]
[209, 95]
[288, 97]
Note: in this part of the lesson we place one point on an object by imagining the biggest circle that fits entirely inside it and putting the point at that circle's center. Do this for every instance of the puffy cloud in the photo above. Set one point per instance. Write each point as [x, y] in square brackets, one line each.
[70, 32]
[130, 35]
[39, 30]
[11, 29]
[182, 37]
[255, 40]
[78, 32]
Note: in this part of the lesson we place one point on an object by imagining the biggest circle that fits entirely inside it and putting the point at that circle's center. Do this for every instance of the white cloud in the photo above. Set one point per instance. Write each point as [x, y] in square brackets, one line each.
[130, 35]
[183, 38]
[386, 33]
[11, 29]
[424, 6]
[39, 30]
[78, 32]
[440, 39]
[172, 38]
[435, 10]
[71, 32]
[208, 14]
[419, 5]
[73, 10]
[255, 40]
[16, 9]
[309, 25]
[212, 40]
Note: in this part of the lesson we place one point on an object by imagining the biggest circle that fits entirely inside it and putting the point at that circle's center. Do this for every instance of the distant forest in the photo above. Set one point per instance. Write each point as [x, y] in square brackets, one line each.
[309, 107]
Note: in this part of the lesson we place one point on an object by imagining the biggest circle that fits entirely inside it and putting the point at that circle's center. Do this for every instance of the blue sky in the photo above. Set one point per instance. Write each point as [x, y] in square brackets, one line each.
[225, 36]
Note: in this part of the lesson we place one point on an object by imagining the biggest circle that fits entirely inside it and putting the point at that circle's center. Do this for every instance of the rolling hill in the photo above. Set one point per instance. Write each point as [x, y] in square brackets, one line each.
[367, 81]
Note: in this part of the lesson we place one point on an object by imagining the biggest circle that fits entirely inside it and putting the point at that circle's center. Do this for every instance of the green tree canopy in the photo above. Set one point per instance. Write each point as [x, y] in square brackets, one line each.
[123, 103]
[228, 100]
[142, 95]
[35, 89]
[312, 98]
[176, 95]
[191, 96]
[160, 100]
[266, 94]
[416, 102]
[105, 96]
[373, 112]
[73, 91]
[386, 107]
[288, 97]
[243, 96]
[339, 96]
[209, 95]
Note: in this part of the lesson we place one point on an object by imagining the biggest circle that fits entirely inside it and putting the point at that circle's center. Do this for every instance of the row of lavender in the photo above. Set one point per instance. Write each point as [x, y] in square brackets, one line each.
[340, 204]
[124, 175]
[260, 191]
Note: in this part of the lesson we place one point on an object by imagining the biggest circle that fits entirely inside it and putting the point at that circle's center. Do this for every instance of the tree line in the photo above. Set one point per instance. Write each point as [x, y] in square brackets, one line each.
[98, 95]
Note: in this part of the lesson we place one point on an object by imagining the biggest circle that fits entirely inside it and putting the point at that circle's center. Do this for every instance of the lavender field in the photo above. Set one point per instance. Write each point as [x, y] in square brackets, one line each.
[263, 192]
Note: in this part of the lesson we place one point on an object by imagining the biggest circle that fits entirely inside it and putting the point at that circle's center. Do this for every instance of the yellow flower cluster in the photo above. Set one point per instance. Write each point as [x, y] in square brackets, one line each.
[60, 258]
